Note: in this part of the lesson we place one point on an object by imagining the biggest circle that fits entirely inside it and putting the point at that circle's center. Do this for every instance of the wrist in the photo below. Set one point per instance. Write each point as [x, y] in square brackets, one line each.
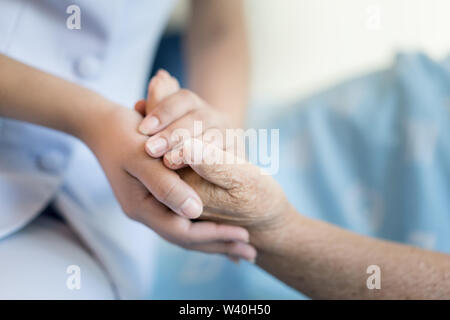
[93, 111]
[272, 237]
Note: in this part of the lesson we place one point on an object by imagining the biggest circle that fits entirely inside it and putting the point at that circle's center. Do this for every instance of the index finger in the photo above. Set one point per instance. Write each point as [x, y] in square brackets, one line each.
[185, 232]
[215, 165]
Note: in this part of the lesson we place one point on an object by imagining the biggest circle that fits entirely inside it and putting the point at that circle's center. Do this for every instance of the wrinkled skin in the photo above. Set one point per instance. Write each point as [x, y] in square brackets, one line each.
[236, 193]
[246, 198]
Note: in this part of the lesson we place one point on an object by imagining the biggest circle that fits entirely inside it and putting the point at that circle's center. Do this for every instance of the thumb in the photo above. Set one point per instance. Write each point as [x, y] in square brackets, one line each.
[215, 165]
[160, 87]
[140, 107]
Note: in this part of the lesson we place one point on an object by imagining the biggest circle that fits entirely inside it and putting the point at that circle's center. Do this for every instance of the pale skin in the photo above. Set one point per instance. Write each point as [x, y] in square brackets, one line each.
[314, 257]
[147, 191]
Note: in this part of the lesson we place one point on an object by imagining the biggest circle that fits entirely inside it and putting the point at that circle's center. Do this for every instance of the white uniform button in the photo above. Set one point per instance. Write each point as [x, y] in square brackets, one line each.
[52, 161]
[88, 66]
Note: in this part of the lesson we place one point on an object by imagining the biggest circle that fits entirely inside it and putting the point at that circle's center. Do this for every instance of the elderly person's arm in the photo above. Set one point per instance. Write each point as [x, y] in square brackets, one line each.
[314, 257]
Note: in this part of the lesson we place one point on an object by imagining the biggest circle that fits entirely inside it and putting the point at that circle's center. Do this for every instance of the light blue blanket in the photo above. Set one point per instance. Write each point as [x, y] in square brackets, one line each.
[371, 155]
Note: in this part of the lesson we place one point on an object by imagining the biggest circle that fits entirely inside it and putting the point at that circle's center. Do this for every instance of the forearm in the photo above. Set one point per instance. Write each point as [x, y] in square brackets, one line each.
[28, 94]
[324, 261]
[217, 52]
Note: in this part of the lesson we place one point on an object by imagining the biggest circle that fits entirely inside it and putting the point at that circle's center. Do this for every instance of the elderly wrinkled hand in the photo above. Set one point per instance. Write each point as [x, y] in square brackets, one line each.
[166, 110]
[232, 190]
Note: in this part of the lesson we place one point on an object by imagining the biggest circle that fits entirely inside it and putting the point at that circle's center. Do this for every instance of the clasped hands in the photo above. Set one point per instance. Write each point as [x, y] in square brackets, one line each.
[192, 191]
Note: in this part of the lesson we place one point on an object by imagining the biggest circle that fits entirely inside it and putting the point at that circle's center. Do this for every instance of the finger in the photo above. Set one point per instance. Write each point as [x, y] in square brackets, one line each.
[130, 193]
[161, 86]
[168, 110]
[236, 250]
[174, 160]
[214, 198]
[233, 259]
[211, 231]
[184, 232]
[166, 186]
[140, 107]
[214, 136]
[181, 130]
[215, 165]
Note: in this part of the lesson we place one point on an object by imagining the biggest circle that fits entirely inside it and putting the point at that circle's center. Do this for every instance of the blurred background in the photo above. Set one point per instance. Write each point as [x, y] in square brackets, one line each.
[303, 47]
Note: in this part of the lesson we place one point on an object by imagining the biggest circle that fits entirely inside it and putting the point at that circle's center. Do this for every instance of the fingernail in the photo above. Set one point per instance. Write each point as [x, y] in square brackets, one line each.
[175, 157]
[156, 146]
[148, 125]
[191, 208]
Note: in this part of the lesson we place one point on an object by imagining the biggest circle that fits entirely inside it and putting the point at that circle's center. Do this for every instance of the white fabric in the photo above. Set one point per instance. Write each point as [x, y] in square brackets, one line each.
[35, 261]
[110, 54]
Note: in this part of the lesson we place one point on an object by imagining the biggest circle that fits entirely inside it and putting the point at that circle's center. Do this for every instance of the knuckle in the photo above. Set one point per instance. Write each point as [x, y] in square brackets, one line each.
[235, 180]
[232, 247]
[244, 196]
[189, 96]
[204, 115]
[166, 190]
[165, 112]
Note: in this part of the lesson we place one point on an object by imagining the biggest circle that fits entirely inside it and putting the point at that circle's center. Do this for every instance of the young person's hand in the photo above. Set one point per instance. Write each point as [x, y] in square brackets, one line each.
[152, 194]
[173, 115]
[235, 191]
[232, 190]
[147, 190]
